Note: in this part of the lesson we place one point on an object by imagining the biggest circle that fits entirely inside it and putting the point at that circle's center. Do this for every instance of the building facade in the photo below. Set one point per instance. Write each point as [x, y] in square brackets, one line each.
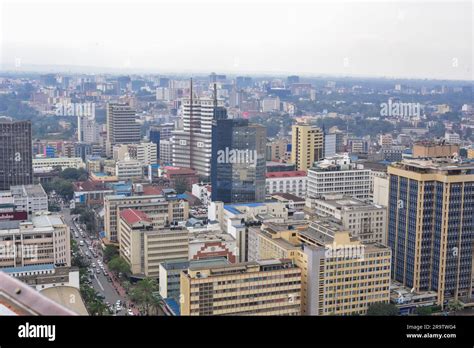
[431, 226]
[16, 153]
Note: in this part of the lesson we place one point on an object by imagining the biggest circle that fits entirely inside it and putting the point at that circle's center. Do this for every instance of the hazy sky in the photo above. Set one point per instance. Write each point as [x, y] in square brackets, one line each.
[366, 38]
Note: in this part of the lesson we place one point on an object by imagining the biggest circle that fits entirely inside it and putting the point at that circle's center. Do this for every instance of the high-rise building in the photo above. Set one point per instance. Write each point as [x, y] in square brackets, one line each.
[269, 287]
[87, 129]
[431, 226]
[192, 145]
[122, 127]
[238, 161]
[16, 153]
[307, 144]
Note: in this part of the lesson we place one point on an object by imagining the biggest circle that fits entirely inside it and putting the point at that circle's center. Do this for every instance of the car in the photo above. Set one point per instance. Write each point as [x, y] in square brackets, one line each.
[118, 308]
[130, 312]
[109, 279]
[81, 243]
[98, 271]
[106, 274]
[93, 265]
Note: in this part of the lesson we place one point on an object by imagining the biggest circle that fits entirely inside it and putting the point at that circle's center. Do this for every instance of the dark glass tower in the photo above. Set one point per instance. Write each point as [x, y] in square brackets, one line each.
[238, 160]
[16, 153]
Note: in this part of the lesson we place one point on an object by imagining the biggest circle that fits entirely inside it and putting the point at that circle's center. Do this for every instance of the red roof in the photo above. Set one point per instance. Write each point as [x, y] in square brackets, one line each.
[288, 174]
[132, 216]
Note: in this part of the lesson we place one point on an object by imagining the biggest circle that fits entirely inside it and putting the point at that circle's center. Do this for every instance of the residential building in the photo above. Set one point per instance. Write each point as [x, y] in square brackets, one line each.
[129, 170]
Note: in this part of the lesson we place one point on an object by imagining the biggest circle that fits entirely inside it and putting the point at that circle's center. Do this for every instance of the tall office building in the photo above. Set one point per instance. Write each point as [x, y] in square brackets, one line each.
[192, 145]
[16, 153]
[87, 129]
[307, 143]
[122, 127]
[431, 226]
[238, 161]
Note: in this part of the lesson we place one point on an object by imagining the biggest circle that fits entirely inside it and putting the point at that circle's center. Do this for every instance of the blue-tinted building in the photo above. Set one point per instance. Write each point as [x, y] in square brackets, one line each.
[238, 161]
[431, 226]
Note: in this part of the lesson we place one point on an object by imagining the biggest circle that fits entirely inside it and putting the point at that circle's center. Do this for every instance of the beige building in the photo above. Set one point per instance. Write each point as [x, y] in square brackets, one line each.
[144, 244]
[307, 145]
[362, 219]
[339, 274]
[157, 207]
[434, 149]
[270, 287]
[43, 240]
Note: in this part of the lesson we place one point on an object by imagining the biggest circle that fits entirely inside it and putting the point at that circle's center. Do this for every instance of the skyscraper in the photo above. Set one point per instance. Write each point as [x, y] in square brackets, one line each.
[122, 127]
[16, 153]
[431, 225]
[307, 143]
[192, 144]
[238, 161]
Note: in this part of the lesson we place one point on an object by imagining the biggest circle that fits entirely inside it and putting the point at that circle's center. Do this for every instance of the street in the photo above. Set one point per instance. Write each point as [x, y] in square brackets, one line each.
[111, 290]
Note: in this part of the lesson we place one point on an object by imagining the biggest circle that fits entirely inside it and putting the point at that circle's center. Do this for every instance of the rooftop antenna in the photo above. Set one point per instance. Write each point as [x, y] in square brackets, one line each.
[215, 95]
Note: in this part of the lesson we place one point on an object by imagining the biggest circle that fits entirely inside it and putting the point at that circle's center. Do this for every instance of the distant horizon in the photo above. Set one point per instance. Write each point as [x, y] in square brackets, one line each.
[97, 70]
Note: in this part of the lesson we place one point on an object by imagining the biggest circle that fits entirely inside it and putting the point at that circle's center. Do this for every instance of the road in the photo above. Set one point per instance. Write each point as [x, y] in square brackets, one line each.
[111, 290]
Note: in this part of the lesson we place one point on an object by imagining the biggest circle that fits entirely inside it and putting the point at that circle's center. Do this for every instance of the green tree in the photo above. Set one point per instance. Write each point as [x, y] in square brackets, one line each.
[142, 294]
[73, 174]
[119, 265]
[382, 309]
[181, 185]
[425, 310]
[110, 252]
[455, 306]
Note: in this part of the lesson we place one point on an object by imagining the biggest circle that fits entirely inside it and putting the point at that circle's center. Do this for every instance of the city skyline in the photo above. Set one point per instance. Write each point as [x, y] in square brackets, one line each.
[377, 39]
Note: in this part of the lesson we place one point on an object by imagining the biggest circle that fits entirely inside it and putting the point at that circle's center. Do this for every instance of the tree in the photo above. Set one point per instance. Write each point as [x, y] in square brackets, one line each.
[181, 185]
[423, 311]
[73, 174]
[119, 265]
[110, 252]
[455, 306]
[382, 309]
[142, 294]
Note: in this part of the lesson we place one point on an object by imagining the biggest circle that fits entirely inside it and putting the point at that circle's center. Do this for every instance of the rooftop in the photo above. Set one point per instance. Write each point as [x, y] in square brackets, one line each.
[132, 216]
[289, 174]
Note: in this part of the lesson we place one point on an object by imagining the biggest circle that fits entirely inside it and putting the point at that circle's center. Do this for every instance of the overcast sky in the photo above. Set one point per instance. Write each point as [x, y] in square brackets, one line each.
[363, 38]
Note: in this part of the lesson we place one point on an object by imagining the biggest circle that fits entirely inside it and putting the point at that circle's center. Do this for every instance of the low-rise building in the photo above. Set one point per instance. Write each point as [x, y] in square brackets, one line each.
[286, 182]
[144, 245]
[43, 240]
[41, 164]
[270, 287]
